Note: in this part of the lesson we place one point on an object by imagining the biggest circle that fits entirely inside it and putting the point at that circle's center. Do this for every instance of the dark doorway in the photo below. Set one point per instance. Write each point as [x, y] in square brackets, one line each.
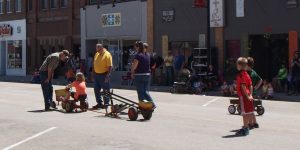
[233, 52]
[269, 52]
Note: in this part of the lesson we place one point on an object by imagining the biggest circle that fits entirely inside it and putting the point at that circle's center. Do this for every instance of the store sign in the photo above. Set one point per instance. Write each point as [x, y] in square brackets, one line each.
[168, 15]
[216, 13]
[291, 3]
[5, 30]
[111, 20]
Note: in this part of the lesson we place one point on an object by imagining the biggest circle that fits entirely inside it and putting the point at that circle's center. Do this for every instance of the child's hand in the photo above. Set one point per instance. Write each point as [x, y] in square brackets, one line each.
[251, 98]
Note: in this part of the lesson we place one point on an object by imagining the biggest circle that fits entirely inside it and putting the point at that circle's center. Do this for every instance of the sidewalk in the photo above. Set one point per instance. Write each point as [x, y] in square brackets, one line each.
[62, 81]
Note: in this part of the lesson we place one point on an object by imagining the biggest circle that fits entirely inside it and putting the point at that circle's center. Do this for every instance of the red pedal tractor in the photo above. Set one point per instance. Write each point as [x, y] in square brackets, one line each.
[71, 104]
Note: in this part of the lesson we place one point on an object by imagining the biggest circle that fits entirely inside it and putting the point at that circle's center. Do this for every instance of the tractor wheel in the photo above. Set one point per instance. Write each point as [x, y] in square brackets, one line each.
[260, 110]
[173, 90]
[239, 109]
[147, 114]
[84, 105]
[63, 105]
[69, 107]
[231, 109]
[133, 113]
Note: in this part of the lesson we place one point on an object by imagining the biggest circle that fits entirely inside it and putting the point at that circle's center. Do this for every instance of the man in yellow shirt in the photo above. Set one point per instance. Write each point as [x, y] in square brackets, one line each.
[102, 69]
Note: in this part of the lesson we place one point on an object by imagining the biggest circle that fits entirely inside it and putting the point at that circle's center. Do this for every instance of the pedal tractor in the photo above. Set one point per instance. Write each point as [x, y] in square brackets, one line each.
[71, 104]
[144, 108]
[235, 106]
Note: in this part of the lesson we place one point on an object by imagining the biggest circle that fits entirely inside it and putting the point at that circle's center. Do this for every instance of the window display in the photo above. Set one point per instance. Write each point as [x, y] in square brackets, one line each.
[14, 51]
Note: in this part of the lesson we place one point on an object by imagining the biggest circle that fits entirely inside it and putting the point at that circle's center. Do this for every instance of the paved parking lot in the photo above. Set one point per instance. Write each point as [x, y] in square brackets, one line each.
[180, 122]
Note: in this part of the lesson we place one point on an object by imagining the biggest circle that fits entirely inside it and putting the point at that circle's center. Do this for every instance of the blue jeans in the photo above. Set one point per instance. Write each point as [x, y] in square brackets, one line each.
[170, 75]
[142, 83]
[47, 89]
[99, 84]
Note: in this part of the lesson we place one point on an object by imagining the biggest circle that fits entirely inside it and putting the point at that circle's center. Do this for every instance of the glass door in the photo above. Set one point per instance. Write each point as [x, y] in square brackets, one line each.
[122, 52]
[115, 48]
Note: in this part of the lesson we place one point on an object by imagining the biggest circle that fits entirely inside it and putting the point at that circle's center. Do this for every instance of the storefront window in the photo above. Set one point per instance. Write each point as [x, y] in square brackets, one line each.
[14, 54]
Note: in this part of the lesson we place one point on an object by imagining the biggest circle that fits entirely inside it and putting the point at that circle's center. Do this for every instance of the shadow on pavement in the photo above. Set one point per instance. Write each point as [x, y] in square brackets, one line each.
[37, 111]
[54, 110]
[232, 136]
[42, 111]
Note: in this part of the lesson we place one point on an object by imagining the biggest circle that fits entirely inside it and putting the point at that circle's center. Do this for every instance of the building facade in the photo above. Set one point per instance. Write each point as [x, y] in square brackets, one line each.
[178, 26]
[50, 26]
[117, 27]
[12, 38]
[266, 30]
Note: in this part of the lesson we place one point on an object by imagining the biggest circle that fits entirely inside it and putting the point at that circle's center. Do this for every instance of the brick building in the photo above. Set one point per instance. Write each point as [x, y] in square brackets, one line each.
[49, 26]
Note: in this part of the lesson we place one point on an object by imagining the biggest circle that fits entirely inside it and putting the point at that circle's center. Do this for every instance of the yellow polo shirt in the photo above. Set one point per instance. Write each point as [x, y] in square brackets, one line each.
[102, 61]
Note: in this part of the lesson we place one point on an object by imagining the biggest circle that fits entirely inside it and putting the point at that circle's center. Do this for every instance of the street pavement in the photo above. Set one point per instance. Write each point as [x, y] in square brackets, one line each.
[180, 122]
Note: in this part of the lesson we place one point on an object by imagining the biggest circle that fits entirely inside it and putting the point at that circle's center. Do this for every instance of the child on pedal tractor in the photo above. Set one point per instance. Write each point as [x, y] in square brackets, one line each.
[80, 87]
[244, 86]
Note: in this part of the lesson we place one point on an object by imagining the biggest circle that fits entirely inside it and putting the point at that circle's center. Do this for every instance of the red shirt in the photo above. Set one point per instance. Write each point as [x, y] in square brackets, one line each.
[243, 78]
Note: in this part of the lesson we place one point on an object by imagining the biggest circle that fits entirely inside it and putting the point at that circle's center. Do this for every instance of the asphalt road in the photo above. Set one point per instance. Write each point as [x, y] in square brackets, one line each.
[180, 122]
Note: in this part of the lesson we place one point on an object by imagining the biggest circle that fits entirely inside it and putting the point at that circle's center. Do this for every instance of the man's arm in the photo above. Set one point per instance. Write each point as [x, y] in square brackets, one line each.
[50, 74]
[109, 69]
[134, 65]
[258, 84]
[251, 89]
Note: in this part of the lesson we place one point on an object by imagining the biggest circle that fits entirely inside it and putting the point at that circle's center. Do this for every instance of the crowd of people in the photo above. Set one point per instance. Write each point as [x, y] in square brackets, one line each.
[286, 81]
[100, 67]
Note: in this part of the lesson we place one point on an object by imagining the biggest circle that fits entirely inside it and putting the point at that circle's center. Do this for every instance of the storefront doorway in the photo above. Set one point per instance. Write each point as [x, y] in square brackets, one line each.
[269, 52]
[122, 52]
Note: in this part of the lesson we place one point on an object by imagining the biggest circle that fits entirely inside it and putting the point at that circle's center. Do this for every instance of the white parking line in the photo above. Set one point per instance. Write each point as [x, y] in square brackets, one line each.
[29, 138]
[211, 101]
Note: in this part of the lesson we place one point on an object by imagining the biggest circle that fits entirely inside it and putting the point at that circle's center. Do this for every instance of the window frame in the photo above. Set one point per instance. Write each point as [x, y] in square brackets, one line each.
[60, 4]
[8, 7]
[1, 7]
[46, 5]
[55, 3]
[29, 5]
[19, 2]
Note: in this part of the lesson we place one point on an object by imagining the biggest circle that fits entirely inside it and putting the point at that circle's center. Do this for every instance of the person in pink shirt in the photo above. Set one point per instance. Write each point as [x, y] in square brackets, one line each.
[79, 85]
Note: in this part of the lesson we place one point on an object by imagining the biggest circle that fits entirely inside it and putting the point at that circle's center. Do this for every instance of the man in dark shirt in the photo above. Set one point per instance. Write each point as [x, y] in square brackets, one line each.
[296, 74]
[46, 74]
[178, 63]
